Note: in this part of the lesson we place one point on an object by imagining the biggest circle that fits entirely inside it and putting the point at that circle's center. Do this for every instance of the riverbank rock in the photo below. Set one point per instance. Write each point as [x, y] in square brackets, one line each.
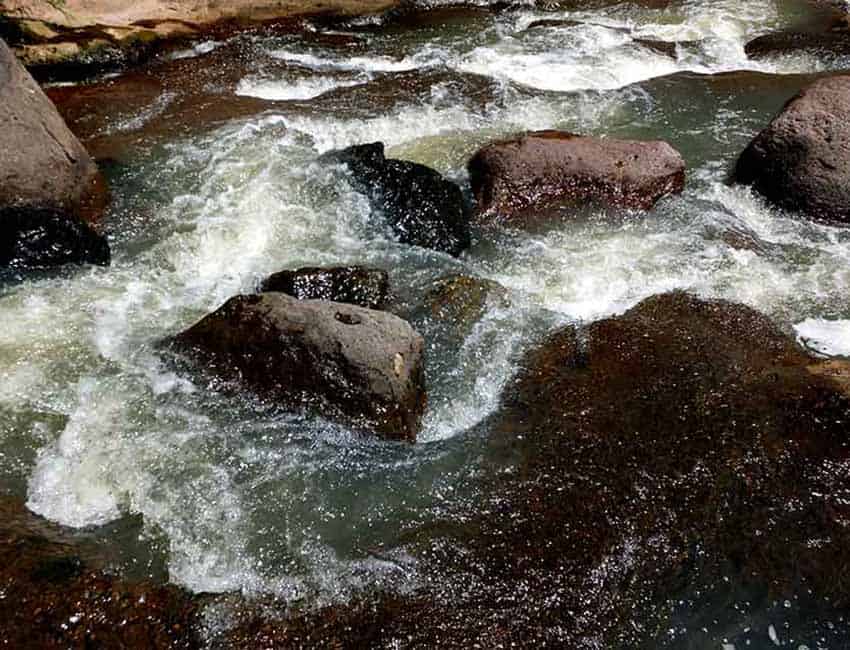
[40, 238]
[542, 171]
[353, 285]
[43, 164]
[357, 365]
[423, 208]
[799, 162]
[76, 37]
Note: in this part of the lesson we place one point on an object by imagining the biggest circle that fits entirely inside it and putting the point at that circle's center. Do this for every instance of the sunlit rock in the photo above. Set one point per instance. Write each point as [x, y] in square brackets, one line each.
[540, 172]
[43, 164]
[357, 365]
[801, 161]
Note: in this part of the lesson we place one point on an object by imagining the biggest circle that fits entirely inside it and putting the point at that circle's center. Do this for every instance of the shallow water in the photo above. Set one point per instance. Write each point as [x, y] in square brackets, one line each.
[237, 496]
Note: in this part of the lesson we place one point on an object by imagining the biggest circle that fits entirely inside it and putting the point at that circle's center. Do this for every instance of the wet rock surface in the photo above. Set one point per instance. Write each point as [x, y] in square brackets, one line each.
[39, 238]
[799, 161]
[458, 302]
[423, 208]
[75, 38]
[537, 173]
[654, 455]
[354, 285]
[357, 365]
[43, 163]
[824, 45]
[53, 598]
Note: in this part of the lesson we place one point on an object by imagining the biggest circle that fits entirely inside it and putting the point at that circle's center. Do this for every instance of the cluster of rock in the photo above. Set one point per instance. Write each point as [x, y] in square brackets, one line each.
[653, 433]
[632, 419]
[50, 189]
[79, 37]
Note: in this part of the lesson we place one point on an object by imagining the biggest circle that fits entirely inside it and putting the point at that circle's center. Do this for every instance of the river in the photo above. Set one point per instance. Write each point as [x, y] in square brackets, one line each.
[219, 492]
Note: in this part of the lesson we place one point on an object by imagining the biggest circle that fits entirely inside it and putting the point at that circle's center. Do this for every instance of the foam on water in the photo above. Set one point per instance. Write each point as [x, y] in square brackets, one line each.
[829, 337]
[282, 90]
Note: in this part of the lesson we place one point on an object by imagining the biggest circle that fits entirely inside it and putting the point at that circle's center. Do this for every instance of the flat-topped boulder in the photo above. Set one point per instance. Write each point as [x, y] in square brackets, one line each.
[541, 172]
[360, 366]
[354, 285]
[801, 160]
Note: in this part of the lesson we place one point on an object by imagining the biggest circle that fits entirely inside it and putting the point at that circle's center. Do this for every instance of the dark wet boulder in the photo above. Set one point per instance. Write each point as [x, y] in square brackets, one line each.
[423, 208]
[354, 285]
[40, 238]
[801, 161]
[682, 424]
[43, 164]
[540, 172]
[360, 366]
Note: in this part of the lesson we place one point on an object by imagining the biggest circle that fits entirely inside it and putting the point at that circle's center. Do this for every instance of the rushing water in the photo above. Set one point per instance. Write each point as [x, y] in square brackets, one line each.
[237, 496]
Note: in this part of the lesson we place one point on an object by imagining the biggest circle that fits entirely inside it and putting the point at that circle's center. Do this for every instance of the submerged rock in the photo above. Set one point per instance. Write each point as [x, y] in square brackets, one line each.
[539, 172]
[800, 161]
[358, 365]
[460, 301]
[423, 208]
[38, 238]
[43, 164]
[824, 45]
[53, 598]
[354, 285]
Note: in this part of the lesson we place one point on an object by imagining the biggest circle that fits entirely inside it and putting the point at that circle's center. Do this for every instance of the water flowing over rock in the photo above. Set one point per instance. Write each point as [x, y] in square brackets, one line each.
[353, 285]
[358, 365]
[43, 164]
[542, 171]
[801, 161]
[459, 301]
[654, 454]
[423, 208]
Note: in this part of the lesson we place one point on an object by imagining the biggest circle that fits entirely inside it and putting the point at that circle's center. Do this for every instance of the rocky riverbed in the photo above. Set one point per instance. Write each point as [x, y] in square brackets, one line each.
[435, 325]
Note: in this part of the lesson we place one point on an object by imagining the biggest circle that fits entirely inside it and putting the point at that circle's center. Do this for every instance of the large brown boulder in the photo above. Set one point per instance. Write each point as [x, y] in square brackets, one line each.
[361, 366]
[539, 172]
[801, 161]
[43, 164]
